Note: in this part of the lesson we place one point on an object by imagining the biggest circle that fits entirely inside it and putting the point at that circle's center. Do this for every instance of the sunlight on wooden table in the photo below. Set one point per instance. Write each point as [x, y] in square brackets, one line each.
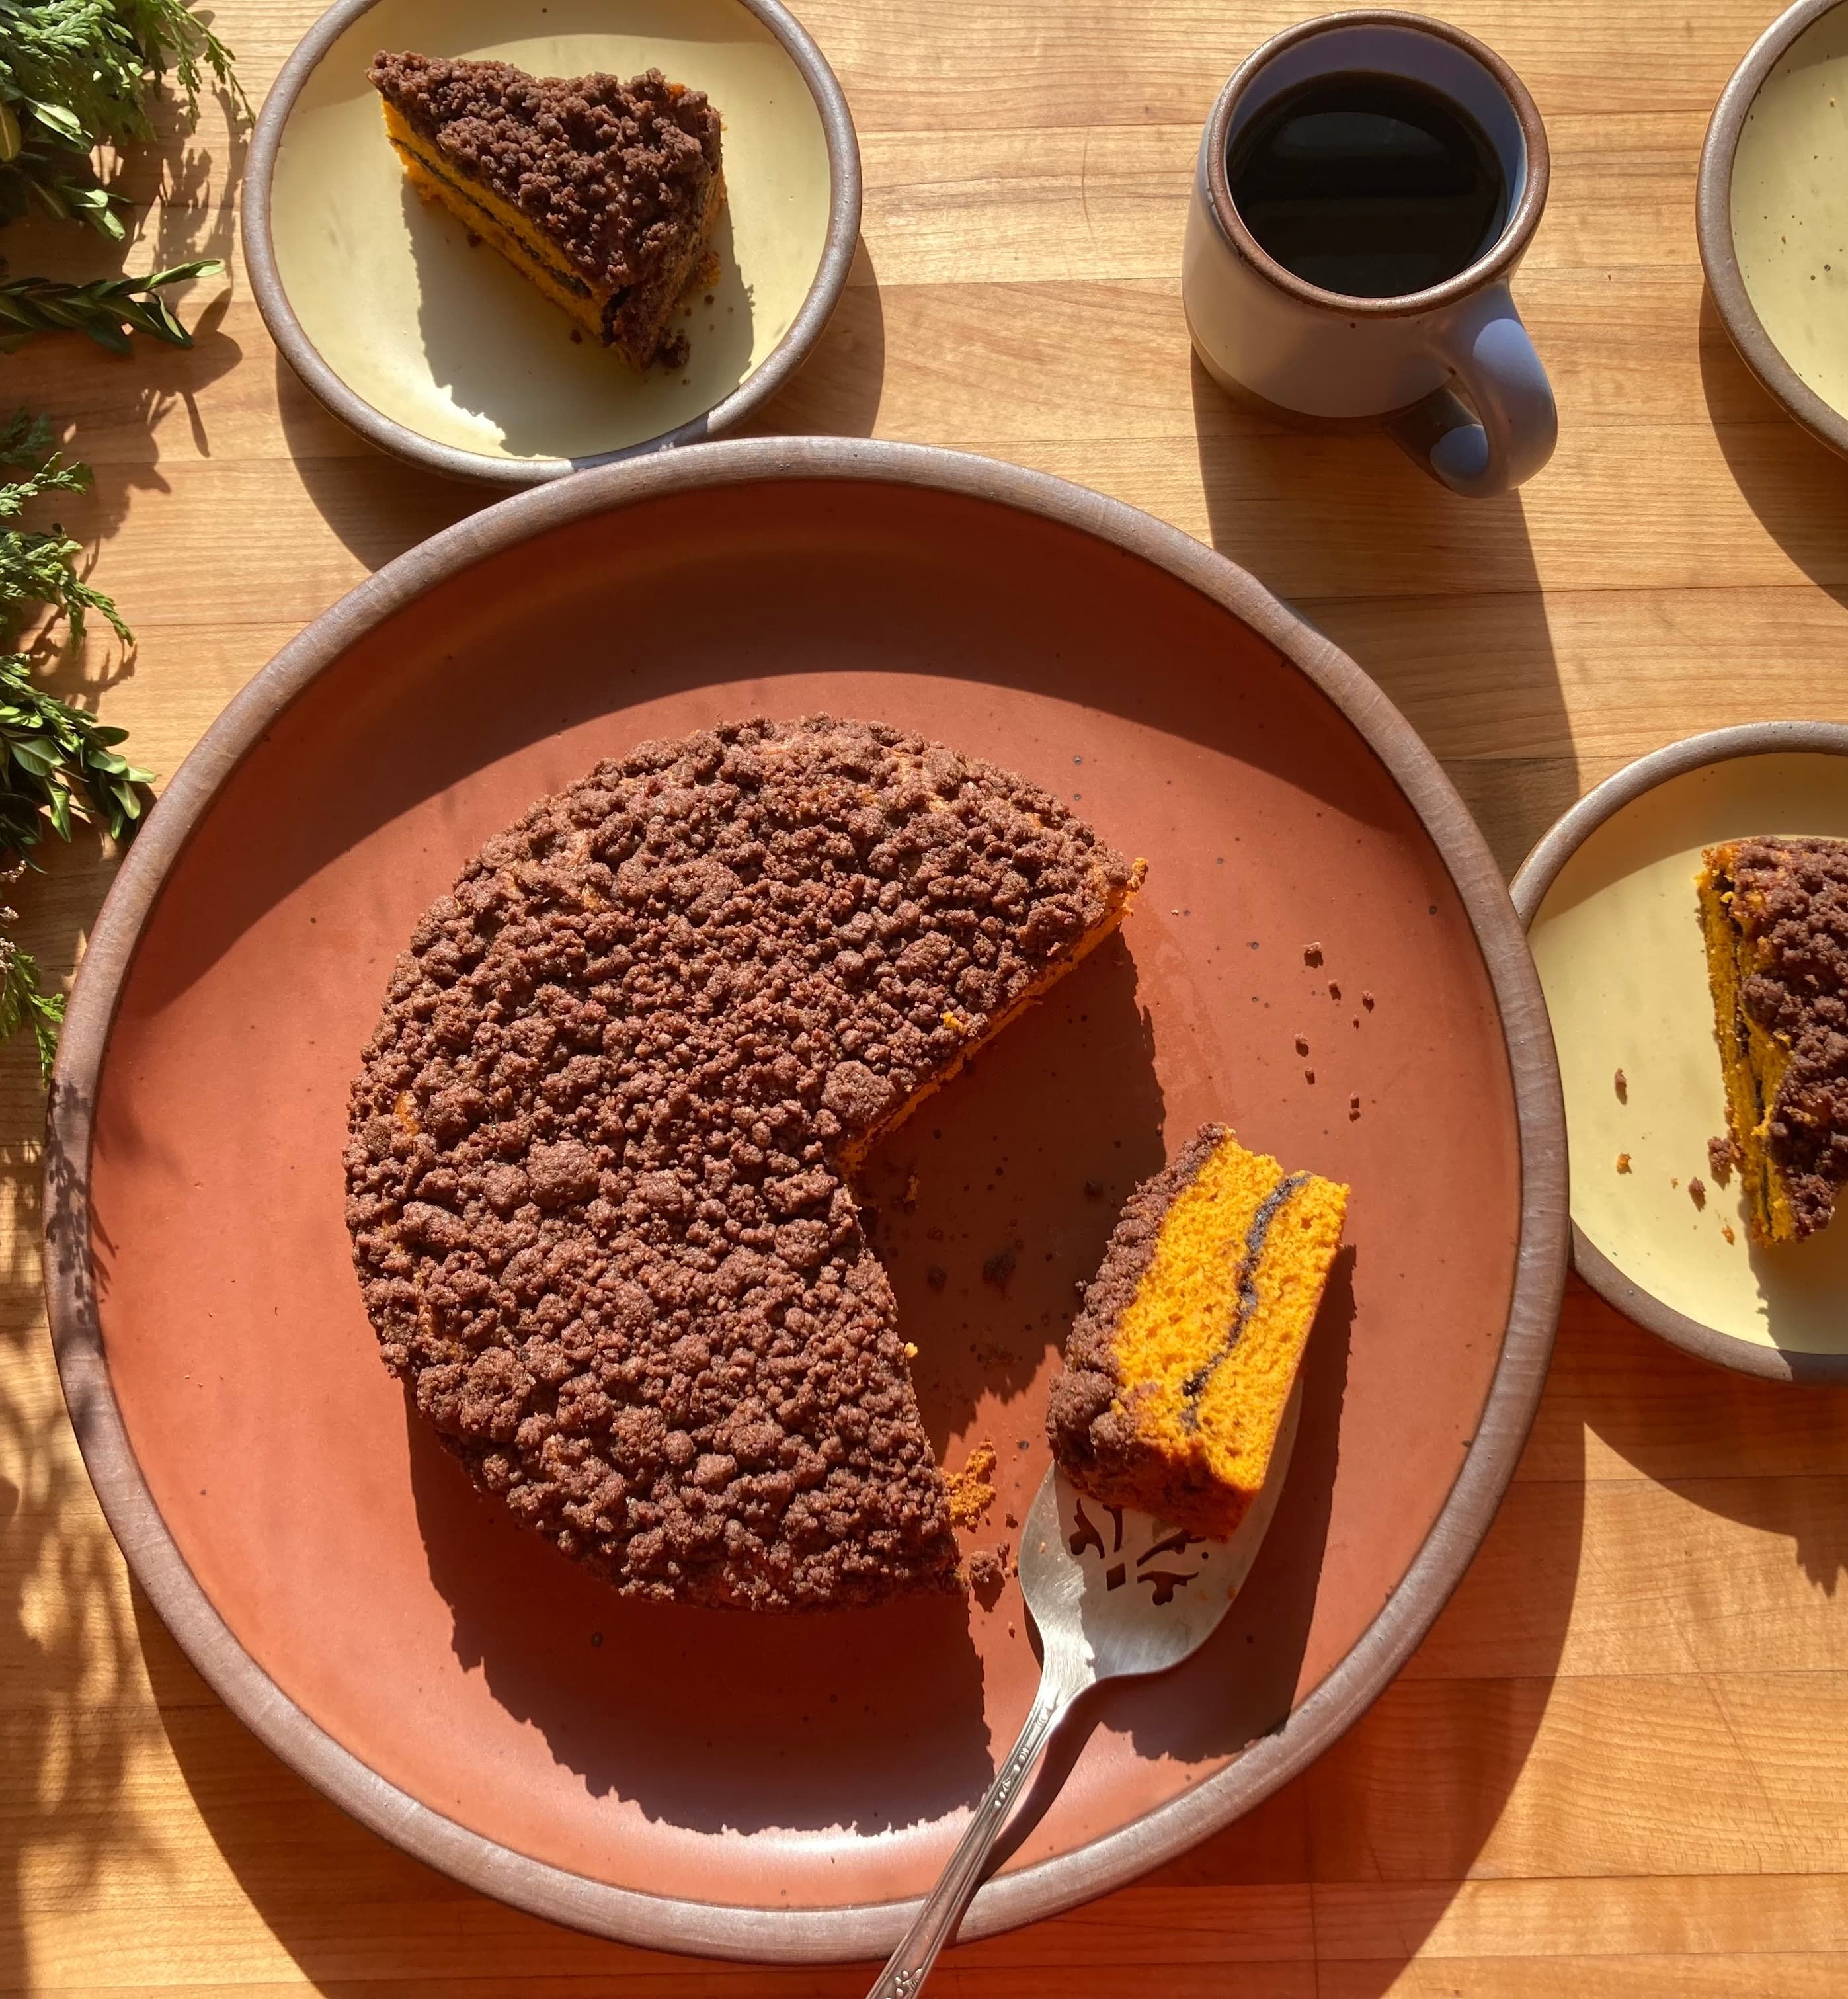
[1619, 1764]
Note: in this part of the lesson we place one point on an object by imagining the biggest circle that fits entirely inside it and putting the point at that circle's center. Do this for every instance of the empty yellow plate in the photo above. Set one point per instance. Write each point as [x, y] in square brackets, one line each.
[1608, 897]
[442, 353]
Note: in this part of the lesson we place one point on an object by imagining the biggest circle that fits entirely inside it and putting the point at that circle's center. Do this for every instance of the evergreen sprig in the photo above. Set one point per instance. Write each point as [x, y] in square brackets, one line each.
[55, 760]
[22, 997]
[78, 74]
[39, 566]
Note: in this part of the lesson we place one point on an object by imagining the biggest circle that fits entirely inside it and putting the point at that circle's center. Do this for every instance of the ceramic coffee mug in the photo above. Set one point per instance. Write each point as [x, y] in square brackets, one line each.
[1330, 361]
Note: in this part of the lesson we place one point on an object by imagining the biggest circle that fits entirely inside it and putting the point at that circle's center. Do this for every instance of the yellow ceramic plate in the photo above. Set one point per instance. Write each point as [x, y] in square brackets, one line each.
[442, 354]
[1608, 897]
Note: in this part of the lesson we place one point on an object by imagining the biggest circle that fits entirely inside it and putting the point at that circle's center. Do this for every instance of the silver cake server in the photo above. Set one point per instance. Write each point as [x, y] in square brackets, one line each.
[1114, 1594]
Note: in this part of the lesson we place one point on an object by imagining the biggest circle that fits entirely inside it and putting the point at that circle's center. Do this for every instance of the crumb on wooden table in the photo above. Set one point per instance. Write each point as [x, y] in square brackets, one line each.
[1697, 1191]
[1722, 1156]
[1312, 953]
[1302, 1045]
[1726, 1231]
[1622, 1082]
[1623, 1162]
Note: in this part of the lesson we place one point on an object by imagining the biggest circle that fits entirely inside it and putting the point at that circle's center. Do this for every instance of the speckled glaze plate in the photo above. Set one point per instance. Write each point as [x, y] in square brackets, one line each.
[784, 1788]
[1609, 898]
[1771, 213]
[443, 354]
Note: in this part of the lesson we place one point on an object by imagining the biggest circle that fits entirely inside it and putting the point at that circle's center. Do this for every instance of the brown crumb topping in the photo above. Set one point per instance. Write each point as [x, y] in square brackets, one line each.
[1621, 1083]
[987, 1574]
[1697, 1191]
[597, 1167]
[1623, 1162]
[614, 173]
[1722, 1157]
[1790, 902]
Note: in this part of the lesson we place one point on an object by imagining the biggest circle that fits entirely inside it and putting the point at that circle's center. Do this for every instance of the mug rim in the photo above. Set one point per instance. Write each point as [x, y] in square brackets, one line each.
[1496, 261]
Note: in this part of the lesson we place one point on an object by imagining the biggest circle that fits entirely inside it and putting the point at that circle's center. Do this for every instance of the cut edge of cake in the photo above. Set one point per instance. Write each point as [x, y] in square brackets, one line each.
[1116, 898]
[1752, 1061]
[1183, 1359]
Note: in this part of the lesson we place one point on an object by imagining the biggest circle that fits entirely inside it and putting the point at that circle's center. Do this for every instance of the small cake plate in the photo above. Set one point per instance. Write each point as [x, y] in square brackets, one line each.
[1608, 898]
[443, 354]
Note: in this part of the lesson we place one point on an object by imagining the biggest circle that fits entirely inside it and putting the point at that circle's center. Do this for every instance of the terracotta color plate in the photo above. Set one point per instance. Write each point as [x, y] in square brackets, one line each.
[778, 1788]
[1609, 898]
[444, 354]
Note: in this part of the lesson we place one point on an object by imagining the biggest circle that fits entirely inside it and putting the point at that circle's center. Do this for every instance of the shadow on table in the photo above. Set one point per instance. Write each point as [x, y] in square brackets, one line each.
[1797, 487]
[1436, 598]
[75, 1719]
[380, 507]
[1761, 1453]
[836, 391]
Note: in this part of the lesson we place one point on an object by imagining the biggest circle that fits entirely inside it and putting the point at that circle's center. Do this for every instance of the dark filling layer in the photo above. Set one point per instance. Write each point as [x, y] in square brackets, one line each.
[559, 275]
[1256, 1236]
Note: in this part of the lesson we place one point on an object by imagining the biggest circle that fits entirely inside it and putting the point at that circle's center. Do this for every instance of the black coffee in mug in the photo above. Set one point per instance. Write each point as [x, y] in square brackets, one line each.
[1368, 184]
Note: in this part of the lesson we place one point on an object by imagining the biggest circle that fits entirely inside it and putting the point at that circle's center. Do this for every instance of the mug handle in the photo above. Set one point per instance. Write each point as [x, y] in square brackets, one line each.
[1509, 433]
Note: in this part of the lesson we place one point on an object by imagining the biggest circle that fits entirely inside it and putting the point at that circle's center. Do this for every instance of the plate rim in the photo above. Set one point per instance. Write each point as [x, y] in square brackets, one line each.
[867, 1930]
[1535, 876]
[330, 388]
[1713, 228]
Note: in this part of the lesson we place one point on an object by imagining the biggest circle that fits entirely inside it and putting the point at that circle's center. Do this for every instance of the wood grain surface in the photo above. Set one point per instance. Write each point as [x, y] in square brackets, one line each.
[1620, 1763]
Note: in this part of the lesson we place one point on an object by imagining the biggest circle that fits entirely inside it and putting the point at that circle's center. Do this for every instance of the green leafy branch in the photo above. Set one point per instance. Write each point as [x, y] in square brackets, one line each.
[59, 766]
[59, 762]
[108, 309]
[78, 74]
[22, 999]
[39, 566]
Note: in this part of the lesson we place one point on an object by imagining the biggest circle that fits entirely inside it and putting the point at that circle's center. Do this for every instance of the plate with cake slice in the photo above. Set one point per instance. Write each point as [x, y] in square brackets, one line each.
[506, 242]
[1689, 920]
[584, 1203]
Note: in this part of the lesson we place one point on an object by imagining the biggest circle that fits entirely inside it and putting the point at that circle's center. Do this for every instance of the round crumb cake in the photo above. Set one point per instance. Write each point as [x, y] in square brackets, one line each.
[598, 1169]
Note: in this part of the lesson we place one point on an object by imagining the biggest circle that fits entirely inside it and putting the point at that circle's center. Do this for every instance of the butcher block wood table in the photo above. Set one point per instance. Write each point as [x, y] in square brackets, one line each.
[1619, 1764]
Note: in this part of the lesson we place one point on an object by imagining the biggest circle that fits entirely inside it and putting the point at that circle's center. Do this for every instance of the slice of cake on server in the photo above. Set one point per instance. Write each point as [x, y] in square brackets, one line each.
[1181, 1364]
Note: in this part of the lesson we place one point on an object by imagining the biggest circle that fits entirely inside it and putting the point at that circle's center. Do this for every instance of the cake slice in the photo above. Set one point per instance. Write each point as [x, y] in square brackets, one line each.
[602, 193]
[1178, 1368]
[1774, 913]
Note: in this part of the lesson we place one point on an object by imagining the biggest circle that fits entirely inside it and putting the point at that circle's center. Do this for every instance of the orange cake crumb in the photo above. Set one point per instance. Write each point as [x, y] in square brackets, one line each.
[970, 1493]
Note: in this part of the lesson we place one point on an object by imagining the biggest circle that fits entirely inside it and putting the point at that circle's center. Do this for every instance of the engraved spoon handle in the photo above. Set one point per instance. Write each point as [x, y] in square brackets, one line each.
[909, 1965]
